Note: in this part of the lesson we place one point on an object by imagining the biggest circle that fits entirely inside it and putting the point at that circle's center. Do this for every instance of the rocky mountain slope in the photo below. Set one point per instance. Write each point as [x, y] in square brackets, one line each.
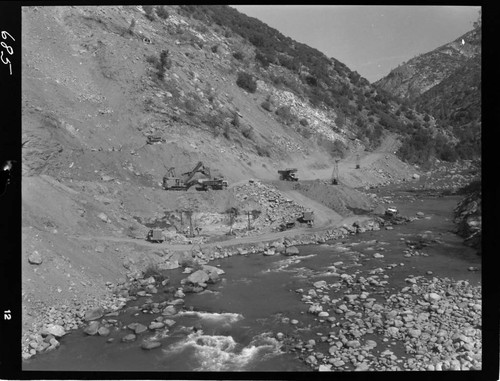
[420, 74]
[445, 84]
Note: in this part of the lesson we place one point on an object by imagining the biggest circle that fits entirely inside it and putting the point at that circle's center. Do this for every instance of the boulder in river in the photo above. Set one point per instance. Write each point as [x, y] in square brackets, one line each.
[150, 344]
[212, 272]
[54, 330]
[140, 328]
[199, 277]
[92, 328]
[292, 250]
[129, 338]
[169, 310]
[94, 314]
[103, 331]
[320, 284]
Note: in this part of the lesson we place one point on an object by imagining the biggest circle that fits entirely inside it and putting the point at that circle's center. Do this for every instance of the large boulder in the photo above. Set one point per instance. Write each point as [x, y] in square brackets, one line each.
[140, 328]
[150, 344]
[94, 314]
[54, 330]
[212, 272]
[129, 338]
[92, 328]
[292, 250]
[103, 331]
[35, 258]
[199, 277]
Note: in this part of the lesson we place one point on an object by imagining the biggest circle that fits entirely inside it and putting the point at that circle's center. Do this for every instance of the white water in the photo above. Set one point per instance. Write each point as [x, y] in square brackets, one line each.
[222, 318]
[222, 353]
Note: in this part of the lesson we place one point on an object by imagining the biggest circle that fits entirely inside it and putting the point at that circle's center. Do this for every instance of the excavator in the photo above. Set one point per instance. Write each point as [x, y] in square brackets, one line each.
[172, 182]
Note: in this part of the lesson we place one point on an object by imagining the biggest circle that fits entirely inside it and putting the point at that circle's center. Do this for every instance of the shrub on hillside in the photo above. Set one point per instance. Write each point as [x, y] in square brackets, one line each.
[131, 28]
[239, 56]
[160, 64]
[248, 132]
[236, 120]
[304, 132]
[336, 148]
[214, 121]
[263, 151]
[150, 12]
[162, 12]
[246, 82]
[285, 114]
[165, 61]
[227, 130]
[266, 105]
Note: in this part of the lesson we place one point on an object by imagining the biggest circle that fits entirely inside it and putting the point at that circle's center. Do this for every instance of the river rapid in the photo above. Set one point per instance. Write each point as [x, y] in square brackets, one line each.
[360, 303]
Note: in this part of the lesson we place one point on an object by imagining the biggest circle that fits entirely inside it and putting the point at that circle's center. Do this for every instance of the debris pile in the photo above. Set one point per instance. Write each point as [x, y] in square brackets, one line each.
[275, 208]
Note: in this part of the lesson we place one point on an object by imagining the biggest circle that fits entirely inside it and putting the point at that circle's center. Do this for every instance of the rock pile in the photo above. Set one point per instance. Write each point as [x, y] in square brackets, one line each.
[275, 208]
[437, 322]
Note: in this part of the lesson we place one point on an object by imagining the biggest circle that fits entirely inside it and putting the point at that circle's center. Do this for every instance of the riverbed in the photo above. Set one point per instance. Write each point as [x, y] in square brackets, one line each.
[259, 316]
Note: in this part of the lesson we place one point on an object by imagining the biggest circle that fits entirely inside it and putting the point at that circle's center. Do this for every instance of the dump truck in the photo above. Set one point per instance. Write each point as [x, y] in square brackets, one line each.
[215, 183]
[155, 235]
[308, 217]
[288, 174]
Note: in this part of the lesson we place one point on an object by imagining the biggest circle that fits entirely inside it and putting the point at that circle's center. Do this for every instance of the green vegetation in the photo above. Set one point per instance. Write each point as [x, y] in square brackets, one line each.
[162, 12]
[285, 115]
[150, 12]
[239, 56]
[160, 64]
[246, 82]
[153, 270]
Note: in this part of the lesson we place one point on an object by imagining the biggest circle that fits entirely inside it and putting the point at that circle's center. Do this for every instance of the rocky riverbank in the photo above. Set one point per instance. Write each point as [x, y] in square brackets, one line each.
[468, 219]
[54, 322]
[436, 323]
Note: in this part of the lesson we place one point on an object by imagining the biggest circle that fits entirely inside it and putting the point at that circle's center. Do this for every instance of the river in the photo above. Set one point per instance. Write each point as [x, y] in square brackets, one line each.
[256, 318]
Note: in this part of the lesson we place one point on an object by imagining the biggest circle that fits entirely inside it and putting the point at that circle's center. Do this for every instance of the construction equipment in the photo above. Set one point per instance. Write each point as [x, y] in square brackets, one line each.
[288, 174]
[172, 182]
[391, 211]
[335, 173]
[308, 217]
[152, 139]
[155, 235]
[215, 183]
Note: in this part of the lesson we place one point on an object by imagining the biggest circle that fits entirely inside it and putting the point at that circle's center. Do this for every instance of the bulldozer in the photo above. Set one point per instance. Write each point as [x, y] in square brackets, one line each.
[187, 180]
[288, 174]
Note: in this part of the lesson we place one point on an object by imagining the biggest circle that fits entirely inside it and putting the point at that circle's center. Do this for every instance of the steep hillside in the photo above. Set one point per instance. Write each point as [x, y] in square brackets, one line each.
[420, 74]
[456, 104]
[444, 84]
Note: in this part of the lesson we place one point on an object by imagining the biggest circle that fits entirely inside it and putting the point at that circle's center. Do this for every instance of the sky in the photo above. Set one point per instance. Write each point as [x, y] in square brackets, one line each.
[371, 40]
